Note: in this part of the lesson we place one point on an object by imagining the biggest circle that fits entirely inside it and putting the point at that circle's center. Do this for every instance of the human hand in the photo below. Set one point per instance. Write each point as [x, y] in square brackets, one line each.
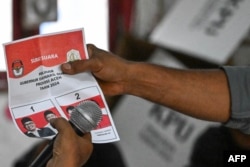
[110, 70]
[69, 150]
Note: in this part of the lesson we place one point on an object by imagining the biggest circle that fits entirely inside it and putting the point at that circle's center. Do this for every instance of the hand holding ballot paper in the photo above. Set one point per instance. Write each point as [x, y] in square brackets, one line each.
[37, 84]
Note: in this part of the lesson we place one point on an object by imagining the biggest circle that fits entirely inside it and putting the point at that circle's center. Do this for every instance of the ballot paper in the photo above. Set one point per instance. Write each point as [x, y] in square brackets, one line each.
[37, 85]
[210, 30]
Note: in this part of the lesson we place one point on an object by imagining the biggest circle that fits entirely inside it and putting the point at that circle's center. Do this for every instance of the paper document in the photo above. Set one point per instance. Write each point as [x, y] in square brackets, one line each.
[207, 29]
[38, 87]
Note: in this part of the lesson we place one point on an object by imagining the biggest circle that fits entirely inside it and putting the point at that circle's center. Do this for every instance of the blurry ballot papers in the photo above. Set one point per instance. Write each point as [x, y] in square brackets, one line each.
[38, 89]
[210, 30]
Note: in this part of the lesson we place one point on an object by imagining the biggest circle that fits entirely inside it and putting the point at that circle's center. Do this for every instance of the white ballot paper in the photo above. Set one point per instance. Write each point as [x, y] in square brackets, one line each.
[206, 29]
[38, 86]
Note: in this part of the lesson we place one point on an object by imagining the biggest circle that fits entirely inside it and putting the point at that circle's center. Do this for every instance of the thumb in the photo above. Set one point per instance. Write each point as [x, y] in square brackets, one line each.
[79, 66]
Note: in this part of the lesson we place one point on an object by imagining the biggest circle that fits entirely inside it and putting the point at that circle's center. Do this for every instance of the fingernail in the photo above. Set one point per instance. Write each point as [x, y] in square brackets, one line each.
[67, 66]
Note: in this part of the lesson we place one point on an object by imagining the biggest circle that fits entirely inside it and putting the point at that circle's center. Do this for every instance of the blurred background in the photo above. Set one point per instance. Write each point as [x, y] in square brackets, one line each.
[176, 33]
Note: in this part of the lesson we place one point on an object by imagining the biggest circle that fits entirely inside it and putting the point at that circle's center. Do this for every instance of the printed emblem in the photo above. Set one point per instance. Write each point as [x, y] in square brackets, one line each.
[17, 68]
